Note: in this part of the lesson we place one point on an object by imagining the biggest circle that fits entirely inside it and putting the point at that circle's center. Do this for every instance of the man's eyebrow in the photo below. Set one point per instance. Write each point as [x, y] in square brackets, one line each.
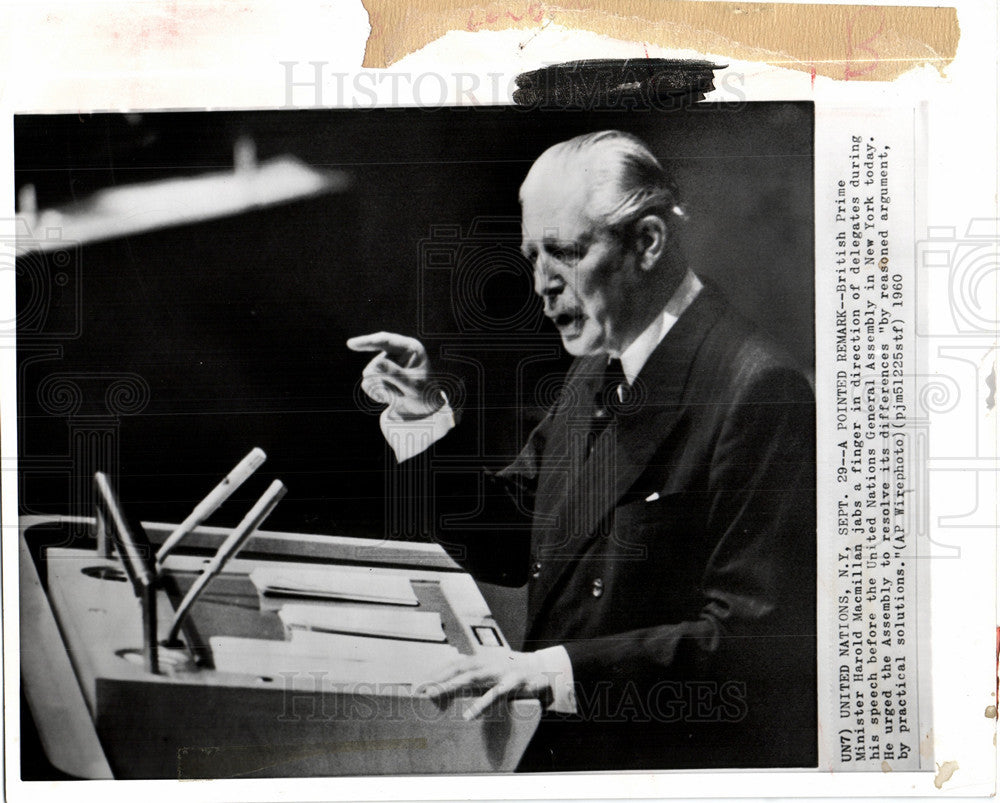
[551, 241]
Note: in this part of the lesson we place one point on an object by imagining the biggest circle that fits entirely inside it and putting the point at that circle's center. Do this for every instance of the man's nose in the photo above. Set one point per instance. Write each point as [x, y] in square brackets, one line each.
[547, 285]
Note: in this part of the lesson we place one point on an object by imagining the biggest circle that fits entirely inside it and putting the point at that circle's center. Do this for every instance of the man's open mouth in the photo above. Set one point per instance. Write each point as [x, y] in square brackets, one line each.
[571, 319]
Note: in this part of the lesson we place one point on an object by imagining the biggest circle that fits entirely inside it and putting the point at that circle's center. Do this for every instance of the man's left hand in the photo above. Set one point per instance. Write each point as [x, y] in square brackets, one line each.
[503, 674]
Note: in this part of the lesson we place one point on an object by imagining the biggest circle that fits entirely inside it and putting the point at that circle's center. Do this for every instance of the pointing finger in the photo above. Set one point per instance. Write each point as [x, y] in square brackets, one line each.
[397, 346]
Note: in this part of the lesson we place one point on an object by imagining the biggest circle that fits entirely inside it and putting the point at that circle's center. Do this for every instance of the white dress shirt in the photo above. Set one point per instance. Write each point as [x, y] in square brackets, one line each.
[409, 438]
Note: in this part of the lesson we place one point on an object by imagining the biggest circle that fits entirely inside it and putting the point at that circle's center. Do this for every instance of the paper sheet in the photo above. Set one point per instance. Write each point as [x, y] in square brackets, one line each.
[384, 623]
[329, 582]
[336, 659]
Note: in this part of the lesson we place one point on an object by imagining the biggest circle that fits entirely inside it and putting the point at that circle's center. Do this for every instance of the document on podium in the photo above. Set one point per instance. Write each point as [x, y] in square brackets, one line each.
[333, 583]
[341, 659]
[382, 623]
[364, 649]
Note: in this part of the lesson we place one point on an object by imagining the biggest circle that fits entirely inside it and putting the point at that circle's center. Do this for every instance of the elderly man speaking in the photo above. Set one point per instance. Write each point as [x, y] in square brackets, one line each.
[666, 501]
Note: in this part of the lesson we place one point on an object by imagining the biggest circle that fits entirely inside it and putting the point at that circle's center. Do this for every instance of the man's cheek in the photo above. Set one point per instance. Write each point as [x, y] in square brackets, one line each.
[597, 310]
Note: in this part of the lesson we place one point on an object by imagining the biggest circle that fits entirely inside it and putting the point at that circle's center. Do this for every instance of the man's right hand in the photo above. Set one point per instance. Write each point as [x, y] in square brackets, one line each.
[399, 375]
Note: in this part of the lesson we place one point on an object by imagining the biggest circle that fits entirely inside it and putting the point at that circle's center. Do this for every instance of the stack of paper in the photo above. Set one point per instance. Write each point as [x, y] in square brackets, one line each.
[381, 622]
[353, 585]
[334, 660]
[373, 650]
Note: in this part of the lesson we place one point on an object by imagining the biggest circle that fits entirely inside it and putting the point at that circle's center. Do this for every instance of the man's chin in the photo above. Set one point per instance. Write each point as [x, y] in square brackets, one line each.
[578, 344]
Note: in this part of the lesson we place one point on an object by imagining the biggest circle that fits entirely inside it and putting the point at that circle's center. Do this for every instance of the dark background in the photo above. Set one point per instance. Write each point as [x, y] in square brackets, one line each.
[238, 324]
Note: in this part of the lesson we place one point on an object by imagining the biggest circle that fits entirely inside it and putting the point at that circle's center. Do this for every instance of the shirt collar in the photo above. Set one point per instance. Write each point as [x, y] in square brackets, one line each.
[635, 356]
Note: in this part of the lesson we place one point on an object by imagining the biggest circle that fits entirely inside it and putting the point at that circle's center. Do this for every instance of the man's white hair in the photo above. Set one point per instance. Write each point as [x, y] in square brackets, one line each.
[627, 181]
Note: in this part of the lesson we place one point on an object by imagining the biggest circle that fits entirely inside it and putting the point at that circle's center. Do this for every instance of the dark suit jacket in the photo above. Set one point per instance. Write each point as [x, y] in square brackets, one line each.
[676, 564]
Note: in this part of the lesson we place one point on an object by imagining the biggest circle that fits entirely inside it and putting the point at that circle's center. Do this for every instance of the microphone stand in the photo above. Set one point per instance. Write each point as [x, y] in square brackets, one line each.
[207, 506]
[233, 543]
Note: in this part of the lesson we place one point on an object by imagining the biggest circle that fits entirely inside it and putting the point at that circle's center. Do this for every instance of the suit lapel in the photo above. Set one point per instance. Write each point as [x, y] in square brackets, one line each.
[576, 494]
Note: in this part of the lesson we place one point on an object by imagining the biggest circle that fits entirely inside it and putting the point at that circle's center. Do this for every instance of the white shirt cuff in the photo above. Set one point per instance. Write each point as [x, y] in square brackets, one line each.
[408, 438]
[556, 665]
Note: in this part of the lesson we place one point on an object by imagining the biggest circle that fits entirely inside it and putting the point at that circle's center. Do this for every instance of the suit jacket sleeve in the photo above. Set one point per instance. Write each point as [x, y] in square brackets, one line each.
[756, 591]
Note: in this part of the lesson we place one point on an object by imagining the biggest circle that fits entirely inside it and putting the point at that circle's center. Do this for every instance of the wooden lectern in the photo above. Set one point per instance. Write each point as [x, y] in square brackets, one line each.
[278, 708]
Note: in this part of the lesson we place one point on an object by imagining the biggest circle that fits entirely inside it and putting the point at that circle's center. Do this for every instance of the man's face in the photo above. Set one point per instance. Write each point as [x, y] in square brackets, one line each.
[582, 271]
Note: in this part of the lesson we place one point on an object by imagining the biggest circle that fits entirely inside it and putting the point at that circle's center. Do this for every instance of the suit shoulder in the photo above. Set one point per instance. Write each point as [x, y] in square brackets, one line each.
[739, 357]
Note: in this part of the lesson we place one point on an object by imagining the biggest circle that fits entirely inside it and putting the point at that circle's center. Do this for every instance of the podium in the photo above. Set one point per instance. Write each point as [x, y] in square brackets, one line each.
[275, 710]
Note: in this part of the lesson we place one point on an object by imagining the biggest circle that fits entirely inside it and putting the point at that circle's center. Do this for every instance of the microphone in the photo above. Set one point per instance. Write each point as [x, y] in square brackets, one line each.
[135, 551]
[207, 506]
[253, 519]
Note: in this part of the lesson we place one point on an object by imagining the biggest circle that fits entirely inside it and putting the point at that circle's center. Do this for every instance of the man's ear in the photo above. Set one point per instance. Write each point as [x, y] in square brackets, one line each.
[651, 241]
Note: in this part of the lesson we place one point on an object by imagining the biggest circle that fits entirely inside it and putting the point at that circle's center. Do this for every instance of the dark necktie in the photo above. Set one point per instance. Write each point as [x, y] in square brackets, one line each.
[607, 401]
